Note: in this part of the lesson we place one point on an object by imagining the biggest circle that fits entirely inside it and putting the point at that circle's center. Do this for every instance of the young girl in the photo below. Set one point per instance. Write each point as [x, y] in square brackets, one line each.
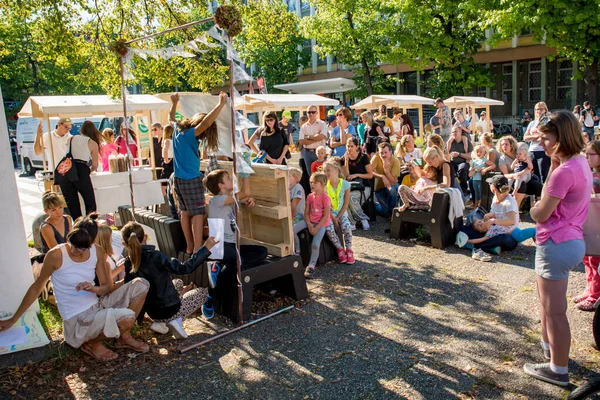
[587, 300]
[480, 165]
[421, 195]
[317, 217]
[338, 191]
[163, 302]
[56, 227]
[488, 229]
[298, 200]
[104, 241]
[521, 165]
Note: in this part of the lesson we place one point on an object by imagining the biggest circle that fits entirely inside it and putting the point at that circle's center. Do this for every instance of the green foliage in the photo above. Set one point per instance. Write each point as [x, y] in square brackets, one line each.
[270, 40]
[50, 319]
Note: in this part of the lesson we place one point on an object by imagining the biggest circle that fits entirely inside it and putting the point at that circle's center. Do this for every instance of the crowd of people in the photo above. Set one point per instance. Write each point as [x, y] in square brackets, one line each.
[101, 291]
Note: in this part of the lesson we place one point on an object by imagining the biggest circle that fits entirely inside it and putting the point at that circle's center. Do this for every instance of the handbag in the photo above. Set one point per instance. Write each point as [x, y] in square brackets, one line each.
[591, 228]
[65, 170]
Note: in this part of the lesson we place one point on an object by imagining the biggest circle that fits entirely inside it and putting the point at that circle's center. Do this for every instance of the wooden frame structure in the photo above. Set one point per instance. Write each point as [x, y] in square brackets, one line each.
[455, 102]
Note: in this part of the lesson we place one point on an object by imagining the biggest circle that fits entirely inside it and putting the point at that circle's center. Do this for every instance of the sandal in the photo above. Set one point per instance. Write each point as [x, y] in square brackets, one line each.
[139, 347]
[580, 298]
[586, 305]
[107, 355]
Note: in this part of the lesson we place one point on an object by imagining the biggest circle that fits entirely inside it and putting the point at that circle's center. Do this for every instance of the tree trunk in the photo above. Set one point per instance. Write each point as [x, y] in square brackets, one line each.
[591, 79]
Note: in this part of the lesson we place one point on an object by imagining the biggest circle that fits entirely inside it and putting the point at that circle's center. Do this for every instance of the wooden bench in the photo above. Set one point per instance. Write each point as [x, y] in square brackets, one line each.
[404, 224]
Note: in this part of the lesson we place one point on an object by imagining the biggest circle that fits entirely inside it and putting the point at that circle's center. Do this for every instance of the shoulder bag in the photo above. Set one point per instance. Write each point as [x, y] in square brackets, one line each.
[65, 170]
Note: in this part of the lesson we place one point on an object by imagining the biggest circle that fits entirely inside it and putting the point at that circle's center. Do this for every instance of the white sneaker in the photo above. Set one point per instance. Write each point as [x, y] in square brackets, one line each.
[365, 225]
[159, 327]
[177, 330]
[481, 255]
[352, 227]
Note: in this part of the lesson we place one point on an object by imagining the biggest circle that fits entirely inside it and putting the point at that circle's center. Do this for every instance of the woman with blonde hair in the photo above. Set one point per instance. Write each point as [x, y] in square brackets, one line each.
[104, 241]
[373, 133]
[434, 157]
[436, 140]
[487, 139]
[541, 162]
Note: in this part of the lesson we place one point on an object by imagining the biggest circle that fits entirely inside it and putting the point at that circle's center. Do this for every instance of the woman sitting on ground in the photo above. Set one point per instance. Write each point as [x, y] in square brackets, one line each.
[163, 303]
[55, 228]
[357, 168]
[90, 314]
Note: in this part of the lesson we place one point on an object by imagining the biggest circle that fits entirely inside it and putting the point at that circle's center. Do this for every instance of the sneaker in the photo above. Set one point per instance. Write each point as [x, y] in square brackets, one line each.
[309, 272]
[213, 272]
[342, 256]
[352, 227]
[349, 257]
[159, 327]
[481, 255]
[544, 373]
[177, 329]
[208, 308]
[365, 225]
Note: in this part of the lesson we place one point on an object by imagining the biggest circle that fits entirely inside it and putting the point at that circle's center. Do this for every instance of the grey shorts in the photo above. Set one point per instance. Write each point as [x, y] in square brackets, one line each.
[554, 261]
[190, 195]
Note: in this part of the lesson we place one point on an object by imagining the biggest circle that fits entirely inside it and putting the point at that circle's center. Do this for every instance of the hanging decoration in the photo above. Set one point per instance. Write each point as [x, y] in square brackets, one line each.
[229, 18]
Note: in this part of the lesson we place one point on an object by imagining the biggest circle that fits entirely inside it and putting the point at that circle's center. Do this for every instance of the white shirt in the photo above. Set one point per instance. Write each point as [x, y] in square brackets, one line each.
[60, 145]
[534, 145]
[80, 148]
[308, 130]
[501, 210]
[397, 125]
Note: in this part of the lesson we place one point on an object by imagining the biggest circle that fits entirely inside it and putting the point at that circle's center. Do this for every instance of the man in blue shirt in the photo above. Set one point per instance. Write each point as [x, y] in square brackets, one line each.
[186, 161]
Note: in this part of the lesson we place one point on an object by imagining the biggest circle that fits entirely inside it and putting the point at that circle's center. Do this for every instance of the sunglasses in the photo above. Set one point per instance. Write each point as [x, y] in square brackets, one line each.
[270, 120]
[311, 112]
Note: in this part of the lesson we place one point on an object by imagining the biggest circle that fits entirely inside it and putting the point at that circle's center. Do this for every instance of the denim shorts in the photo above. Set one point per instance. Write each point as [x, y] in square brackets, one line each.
[554, 261]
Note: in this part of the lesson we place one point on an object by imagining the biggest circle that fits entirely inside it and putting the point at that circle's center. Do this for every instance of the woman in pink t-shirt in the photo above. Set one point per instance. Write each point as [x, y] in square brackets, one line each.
[317, 216]
[560, 216]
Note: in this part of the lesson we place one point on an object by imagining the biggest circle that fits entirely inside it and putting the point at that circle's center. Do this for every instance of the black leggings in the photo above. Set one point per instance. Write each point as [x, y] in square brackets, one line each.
[83, 186]
[541, 165]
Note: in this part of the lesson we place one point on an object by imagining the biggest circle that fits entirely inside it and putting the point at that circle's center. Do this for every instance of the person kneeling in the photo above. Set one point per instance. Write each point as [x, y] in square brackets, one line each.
[163, 303]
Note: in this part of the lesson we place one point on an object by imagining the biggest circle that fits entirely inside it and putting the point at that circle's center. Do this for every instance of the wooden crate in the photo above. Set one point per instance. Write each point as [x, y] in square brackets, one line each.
[269, 222]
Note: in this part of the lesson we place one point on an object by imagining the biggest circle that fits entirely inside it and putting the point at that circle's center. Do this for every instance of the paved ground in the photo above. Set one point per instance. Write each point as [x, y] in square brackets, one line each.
[30, 196]
[406, 321]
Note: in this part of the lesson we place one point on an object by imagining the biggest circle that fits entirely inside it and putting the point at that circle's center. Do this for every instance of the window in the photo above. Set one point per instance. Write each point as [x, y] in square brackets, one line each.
[507, 83]
[535, 81]
[564, 72]
[425, 81]
[410, 80]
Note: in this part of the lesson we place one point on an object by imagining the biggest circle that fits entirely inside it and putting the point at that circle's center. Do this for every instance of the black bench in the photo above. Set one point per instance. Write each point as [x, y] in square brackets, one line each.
[327, 251]
[404, 224]
[286, 274]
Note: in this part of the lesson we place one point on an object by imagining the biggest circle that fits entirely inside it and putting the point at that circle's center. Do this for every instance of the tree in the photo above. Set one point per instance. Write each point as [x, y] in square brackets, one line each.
[270, 40]
[445, 35]
[572, 27]
[355, 31]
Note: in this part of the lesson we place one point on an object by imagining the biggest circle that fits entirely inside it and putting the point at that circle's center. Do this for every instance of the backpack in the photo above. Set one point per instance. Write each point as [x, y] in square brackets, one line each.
[589, 119]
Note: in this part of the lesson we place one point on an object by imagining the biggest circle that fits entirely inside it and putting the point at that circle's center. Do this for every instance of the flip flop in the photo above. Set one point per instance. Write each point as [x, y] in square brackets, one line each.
[86, 349]
[141, 348]
[580, 298]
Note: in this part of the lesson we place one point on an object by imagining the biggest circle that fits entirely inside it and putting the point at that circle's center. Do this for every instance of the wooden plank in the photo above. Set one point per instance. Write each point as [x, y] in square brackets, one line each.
[268, 171]
[273, 212]
[278, 250]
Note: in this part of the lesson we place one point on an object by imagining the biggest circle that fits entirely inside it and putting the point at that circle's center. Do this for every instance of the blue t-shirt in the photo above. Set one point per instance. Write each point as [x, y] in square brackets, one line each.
[477, 164]
[186, 157]
[341, 150]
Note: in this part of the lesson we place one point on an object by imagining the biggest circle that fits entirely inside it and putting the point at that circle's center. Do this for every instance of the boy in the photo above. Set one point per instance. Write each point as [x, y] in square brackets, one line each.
[298, 199]
[222, 206]
[317, 166]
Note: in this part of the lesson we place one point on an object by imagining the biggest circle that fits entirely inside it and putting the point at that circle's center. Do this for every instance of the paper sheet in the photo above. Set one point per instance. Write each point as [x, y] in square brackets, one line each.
[216, 229]
[13, 336]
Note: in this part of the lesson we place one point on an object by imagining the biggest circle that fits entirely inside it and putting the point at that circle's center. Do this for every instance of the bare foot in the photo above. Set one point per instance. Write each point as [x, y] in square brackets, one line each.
[187, 288]
[403, 208]
[128, 342]
[99, 352]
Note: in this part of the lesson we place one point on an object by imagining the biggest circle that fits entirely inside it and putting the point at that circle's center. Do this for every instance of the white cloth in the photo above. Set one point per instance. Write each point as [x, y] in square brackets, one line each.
[534, 146]
[60, 146]
[80, 148]
[502, 209]
[307, 130]
[416, 154]
[71, 302]
[397, 125]
[457, 206]
[170, 149]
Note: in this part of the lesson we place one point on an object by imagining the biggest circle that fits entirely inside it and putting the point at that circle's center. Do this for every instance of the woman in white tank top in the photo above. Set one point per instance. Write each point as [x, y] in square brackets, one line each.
[90, 313]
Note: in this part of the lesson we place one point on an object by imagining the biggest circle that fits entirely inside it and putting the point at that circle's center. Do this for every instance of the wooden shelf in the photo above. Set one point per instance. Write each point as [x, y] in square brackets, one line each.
[279, 250]
[274, 212]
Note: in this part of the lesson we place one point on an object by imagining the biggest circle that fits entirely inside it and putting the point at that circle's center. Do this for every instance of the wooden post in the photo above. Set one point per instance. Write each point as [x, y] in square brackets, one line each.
[488, 120]
[473, 123]
[421, 126]
[152, 155]
[124, 100]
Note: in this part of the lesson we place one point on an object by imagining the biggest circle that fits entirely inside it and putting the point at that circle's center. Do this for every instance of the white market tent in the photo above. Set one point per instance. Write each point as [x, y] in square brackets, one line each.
[473, 102]
[319, 86]
[142, 106]
[277, 102]
[403, 101]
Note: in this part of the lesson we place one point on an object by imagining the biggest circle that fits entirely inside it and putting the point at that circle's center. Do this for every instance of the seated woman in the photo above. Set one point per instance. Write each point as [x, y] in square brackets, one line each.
[90, 314]
[419, 197]
[357, 168]
[163, 303]
[57, 226]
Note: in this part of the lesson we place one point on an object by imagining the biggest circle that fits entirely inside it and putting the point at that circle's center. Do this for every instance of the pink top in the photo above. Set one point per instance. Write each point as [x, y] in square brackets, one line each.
[427, 194]
[317, 206]
[571, 182]
[106, 150]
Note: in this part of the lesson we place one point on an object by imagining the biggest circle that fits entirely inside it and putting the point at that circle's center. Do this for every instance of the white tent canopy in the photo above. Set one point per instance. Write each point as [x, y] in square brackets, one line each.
[276, 102]
[477, 102]
[89, 105]
[332, 85]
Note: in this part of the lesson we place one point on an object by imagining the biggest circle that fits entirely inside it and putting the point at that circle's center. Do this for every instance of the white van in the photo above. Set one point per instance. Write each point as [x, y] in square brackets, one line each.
[27, 128]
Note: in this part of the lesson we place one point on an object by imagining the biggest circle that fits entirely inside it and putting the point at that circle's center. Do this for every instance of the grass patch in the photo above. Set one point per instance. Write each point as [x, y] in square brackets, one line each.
[50, 319]
[526, 289]
[420, 142]
[531, 336]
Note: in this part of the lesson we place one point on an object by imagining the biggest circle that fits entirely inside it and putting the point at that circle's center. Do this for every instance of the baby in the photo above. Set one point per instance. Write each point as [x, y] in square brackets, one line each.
[522, 167]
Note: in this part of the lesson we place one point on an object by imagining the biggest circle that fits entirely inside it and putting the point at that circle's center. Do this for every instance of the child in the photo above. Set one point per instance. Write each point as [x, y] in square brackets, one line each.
[428, 128]
[317, 166]
[316, 215]
[104, 241]
[163, 302]
[480, 165]
[419, 197]
[298, 199]
[490, 229]
[56, 227]
[221, 206]
[338, 190]
[464, 140]
[521, 165]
